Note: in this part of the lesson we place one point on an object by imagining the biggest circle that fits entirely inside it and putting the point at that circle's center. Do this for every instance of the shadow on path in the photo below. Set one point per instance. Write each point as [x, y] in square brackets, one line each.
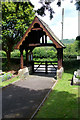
[22, 98]
[20, 102]
[51, 74]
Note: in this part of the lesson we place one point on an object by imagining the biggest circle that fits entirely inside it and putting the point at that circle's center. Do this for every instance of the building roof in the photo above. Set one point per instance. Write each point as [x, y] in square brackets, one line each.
[51, 32]
[46, 29]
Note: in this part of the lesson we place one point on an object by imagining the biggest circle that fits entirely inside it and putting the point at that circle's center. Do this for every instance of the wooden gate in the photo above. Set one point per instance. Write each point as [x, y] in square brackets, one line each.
[44, 66]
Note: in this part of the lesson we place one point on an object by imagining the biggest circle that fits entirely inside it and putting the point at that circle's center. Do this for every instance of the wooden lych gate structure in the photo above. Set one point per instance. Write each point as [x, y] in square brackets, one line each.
[36, 36]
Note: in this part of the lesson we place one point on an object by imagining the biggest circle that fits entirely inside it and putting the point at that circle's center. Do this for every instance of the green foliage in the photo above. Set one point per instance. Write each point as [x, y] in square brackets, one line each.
[71, 50]
[5, 66]
[71, 65]
[15, 53]
[38, 53]
[62, 102]
[2, 54]
[45, 59]
[5, 77]
[68, 41]
[78, 46]
[46, 6]
[14, 64]
[16, 18]
[5, 83]
[49, 53]
[44, 52]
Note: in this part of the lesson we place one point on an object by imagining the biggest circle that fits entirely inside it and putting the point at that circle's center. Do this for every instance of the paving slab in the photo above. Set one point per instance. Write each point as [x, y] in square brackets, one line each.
[22, 98]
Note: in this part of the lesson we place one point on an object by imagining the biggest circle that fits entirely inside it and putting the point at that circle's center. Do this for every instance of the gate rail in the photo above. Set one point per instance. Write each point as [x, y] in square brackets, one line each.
[46, 63]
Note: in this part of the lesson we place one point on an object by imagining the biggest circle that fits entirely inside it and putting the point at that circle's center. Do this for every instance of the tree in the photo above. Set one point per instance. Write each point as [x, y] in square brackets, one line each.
[71, 50]
[16, 17]
[46, 6]
[78, 44]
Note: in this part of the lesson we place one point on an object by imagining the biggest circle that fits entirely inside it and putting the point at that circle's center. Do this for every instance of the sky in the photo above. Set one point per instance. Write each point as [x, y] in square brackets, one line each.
[70, 28]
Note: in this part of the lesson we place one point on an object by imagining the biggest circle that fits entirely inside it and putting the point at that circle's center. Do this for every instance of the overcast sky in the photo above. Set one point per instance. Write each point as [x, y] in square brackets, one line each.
[70, 19]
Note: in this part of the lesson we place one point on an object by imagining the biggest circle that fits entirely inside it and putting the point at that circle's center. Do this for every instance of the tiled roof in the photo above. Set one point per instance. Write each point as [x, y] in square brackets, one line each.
[51, 32]
[46, 28]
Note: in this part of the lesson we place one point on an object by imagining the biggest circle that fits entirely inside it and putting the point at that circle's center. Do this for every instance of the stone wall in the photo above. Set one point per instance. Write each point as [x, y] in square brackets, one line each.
[23, 72]
[59, 73]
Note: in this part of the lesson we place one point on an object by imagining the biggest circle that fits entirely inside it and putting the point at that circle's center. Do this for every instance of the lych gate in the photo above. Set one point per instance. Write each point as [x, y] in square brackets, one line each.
[35, 36]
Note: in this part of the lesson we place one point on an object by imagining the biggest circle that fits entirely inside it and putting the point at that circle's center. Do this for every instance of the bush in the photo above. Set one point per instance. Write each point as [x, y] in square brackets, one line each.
[45, 52]
[2, 54]
[45, 59]
[72, 50]
[4, 64]
[15, 53]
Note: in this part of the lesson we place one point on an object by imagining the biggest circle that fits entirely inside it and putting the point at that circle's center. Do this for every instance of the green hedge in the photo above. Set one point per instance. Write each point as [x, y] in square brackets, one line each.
[44, 52]
[15, 53]
[2, 53]
[71, 51]
[45, 59]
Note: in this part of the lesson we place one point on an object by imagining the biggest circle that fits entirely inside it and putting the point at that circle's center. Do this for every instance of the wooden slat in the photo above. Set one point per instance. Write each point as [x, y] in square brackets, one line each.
[33, 44]
[46, 66]
[37, 67]
[36, 29]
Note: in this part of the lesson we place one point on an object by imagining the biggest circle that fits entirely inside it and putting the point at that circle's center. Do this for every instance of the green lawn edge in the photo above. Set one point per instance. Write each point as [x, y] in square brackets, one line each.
[6, 83]
[63, 100]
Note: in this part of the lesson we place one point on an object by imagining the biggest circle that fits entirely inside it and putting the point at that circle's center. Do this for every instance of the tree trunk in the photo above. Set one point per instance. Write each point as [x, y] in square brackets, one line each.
[8, 56]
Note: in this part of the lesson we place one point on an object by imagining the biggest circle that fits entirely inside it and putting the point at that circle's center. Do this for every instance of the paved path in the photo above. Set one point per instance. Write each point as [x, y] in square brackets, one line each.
[22, 98]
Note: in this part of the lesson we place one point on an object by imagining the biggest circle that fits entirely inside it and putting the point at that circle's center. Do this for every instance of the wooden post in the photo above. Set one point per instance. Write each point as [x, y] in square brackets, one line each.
[45, 39]
[21, 60]
[42, 39]
[46, 67]
[32, 66]
[60, 57]
[26, 57]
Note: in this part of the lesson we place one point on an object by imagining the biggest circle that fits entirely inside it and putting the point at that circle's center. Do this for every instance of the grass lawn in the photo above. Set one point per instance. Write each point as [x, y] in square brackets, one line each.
[5, 83]
[63, 102]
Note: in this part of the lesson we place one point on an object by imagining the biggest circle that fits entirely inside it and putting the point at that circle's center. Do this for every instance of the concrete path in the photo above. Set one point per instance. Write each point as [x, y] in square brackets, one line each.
[22, 98]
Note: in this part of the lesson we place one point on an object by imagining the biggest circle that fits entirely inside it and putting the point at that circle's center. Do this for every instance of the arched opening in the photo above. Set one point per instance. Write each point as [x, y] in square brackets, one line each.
[45, 59]
[36, 25]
